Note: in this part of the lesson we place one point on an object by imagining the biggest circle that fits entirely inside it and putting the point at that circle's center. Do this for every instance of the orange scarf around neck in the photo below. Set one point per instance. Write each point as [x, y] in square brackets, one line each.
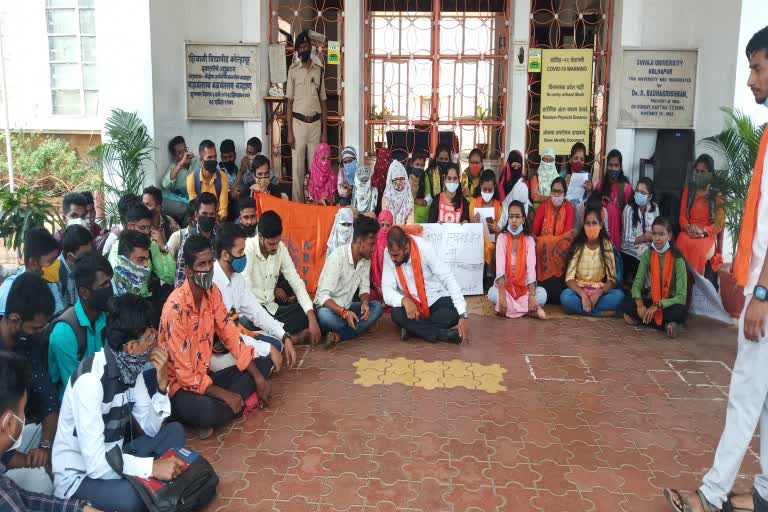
[418, 276]
[554, 222]
[749, 221]
[660, 283]
[516, 284]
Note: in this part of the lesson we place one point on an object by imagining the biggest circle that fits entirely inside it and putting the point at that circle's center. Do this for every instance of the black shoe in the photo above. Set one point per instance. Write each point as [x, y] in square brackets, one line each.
[450, 336]
[403, 334]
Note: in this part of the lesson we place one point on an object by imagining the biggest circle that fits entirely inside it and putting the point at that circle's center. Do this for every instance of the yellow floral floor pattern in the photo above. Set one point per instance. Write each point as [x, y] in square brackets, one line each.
[430, 374]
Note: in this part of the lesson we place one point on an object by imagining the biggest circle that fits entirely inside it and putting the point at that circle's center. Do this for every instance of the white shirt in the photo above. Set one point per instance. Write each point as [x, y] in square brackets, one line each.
[340, 278]
[261, 275]
[438, 280]
[760, 241]
[111, 239]
[93, 392]
[518, 193]
[630, 230]
[237, 296]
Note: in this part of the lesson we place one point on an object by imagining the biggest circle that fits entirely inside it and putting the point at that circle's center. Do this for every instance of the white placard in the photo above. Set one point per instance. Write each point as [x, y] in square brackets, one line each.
[705, 300]
[576, 186]
[222, 81]
[486, 213]
[657, 88]
[460, 246]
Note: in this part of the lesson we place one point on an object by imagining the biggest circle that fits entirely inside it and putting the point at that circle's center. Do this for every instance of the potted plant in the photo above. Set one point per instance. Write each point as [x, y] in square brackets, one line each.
[480, 114]
[23, 209]
[738, 143]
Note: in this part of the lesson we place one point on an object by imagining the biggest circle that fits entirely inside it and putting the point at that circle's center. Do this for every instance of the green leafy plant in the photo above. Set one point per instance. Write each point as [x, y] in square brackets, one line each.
[23, 209]
[121, 159]
[738, 143]
[47, 162]
[480, 112]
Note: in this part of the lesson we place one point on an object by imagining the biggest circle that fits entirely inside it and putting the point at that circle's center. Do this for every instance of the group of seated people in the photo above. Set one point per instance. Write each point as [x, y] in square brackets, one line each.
[112, 340]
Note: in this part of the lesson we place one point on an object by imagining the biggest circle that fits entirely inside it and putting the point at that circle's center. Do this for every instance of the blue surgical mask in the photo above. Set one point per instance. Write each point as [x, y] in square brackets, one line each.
[349, 171]
[238, 264]
[641, 199]
[517, 231]
[663, 249]
[452, 187]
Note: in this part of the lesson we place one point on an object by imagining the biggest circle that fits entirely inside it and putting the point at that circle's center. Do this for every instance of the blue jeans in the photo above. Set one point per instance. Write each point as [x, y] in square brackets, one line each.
[609, 301]
[331, 322]
[119, 495]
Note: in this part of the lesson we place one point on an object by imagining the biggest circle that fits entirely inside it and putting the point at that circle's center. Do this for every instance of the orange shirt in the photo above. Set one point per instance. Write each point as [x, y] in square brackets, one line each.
[187, 335]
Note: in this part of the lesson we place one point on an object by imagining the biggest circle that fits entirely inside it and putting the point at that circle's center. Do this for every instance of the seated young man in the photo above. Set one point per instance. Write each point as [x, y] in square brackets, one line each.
[265, 334]
[426, 300]
[248, 217]
[41, 253]
[75, 242]
[163, 226]
[15, 379]
[209, 178]
[108, 392]
[192, 316]
[90, 215]
[205, 225]
[123, 205]
[347, 271]
[66, 348]
[74, 207]
[267, 259]
[177, 237]
[28, 310]
[258, 179]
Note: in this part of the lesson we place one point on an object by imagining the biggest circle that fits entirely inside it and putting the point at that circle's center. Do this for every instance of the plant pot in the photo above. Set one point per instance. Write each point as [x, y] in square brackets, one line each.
[731, 293]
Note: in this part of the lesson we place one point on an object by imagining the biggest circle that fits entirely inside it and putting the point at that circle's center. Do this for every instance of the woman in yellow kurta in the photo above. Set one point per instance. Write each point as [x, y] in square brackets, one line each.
[701, 220]
[470, 179]
[486, 195]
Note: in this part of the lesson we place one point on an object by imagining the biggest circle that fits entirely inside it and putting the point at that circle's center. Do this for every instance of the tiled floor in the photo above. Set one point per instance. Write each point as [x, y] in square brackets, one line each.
[588, 416]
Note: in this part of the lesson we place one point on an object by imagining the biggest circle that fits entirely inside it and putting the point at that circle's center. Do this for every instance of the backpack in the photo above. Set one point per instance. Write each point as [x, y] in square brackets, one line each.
[69, 317]
[216, 183]
[100, 241]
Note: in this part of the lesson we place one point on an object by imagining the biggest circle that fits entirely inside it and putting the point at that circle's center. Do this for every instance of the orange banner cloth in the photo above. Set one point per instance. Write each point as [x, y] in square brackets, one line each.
[306, 228]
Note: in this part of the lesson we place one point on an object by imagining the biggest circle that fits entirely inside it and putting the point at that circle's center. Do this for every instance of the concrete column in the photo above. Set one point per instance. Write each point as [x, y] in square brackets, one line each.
[255, 20]
[352, 60]
[517, 79]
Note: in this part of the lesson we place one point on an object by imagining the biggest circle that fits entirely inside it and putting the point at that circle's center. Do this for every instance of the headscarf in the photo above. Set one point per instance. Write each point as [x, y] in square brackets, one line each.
[399, 202]
[129, 277]
[322, 179]
[363, 197]
[547, 172]
[383, 159]
[349, 152]
[508, 180]
[377, 259]
[340, 235]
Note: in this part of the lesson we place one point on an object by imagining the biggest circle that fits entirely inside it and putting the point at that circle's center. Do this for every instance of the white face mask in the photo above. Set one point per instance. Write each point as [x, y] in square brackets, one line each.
[77, 222]
[452, 187]
[487, 196]
[17, 442]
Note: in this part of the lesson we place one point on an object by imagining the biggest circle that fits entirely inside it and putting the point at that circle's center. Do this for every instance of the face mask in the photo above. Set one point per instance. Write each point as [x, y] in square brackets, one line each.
[443, 166]
[129, 277]
[641, 199]
[577, 166]
[416, 171]
[203, 280]
[238, 264]
[349, 171]
[229, 167]
[557, 200]
[250, 230]
[304, 56]
[663, 249]
[475, 169]
[100, 298]
[517, 173]
[592, 232]
[17, 442]
[487, 196]
[452, 187]
[517, 231]
[398, 185]
[613, 174]
[131, 365]
[211, 166]
[263, 183]
[51, 272]
[205, 223]
[77, 222]
[702, 180]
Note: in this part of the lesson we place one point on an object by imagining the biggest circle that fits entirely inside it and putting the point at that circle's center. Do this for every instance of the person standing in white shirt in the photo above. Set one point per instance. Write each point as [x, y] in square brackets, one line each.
[347, 270]
[271, 342]
[426, 300]
[748, 392]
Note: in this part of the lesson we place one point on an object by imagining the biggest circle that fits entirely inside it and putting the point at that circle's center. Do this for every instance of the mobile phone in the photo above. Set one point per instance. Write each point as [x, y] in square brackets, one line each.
[489, 220]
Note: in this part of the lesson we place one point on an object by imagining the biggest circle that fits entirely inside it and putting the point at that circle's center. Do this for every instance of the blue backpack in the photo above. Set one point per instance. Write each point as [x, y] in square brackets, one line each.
[216, 182]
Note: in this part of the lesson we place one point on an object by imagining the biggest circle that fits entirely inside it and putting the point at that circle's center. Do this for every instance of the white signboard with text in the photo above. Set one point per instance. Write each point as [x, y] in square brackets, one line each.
[460, 247]
[658, 89]
[222, 82]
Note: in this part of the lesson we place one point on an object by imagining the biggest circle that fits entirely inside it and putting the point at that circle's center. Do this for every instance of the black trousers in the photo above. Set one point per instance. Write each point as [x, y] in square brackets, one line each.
[674, 313]
[554, 287]
[293, 317]
[442, 315]
[205, 411]
[630, 267]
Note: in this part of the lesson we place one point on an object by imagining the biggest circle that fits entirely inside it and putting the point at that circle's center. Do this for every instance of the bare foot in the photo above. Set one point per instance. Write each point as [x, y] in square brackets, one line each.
[540, 314]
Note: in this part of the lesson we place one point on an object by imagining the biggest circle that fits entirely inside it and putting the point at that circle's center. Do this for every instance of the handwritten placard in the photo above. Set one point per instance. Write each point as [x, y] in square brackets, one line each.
[222, 82]
[460, 247]
[657, 88]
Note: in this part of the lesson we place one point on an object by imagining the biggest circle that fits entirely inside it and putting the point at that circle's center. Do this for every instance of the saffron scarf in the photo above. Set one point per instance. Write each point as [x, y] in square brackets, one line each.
[554, 222]
[516, 285]
[749, 222]
[418, 276]
[660, 283]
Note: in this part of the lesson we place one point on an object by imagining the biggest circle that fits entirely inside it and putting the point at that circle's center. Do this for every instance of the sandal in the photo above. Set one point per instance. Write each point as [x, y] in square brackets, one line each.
[630, 320]
[679, 502]
[673, 329]
[728, 506]
[332, 339]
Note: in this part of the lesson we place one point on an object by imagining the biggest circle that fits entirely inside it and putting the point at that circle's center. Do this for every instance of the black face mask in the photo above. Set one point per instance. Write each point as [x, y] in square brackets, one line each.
[205, 223]
[516, 173]
[416, 171]
[229, 167]
[443, 166]
[250, 231]
[211, 165]
[101, 298]
[304, 56]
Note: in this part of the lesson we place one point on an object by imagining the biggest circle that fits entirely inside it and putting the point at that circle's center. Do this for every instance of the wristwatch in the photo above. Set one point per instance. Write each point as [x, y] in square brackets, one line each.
[760, 293]
[465, 315]
[45, 444]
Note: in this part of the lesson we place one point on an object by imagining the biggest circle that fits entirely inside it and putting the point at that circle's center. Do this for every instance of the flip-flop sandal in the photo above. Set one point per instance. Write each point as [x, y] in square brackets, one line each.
[673, 330]
[630, 320]
[331, 340]
[671, 494]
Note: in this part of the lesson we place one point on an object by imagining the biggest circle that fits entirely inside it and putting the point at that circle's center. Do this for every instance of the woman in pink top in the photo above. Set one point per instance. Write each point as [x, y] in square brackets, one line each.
[616, 193]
